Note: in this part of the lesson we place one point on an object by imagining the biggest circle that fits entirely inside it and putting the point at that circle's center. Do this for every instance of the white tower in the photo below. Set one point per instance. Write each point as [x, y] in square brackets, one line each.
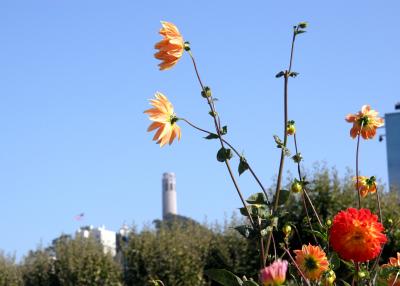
[169, 194]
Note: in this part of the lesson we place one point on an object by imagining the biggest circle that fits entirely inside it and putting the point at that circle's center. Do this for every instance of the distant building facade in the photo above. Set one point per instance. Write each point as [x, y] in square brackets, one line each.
[392, 125]
[107, 238]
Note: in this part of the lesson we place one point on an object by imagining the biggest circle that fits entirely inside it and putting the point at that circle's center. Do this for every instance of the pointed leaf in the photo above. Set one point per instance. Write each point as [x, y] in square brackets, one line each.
[224, 154]
[224, 130]
[243, 166]
[211, 136]
[224, 277]
[257, 198]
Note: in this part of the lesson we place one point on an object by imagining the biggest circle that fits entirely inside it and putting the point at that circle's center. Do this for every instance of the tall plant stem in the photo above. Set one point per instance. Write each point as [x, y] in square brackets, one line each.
[218, 130]
[235, 151]
[262, 250]
[381, 221]
[357, 179]
[304, 188]
[285, 121]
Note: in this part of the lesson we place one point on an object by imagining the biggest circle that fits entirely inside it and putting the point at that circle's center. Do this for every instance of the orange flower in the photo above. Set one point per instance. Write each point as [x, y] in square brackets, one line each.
[393, 262]
[357, 235]
[365, 184]
[312, 261]
[164, 120]
[364, 122]
[170, 47]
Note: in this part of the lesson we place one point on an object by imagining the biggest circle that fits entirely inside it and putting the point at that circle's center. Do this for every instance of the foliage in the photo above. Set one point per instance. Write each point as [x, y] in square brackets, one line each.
[9, 272]
[71, 262]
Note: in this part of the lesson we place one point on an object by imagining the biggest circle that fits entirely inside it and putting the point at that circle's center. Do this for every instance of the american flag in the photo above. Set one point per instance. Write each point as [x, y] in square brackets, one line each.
[79, 217]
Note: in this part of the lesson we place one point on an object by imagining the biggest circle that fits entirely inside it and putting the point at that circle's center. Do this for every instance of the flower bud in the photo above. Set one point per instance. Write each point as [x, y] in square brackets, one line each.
[328, 222]
[329, 278]
[206, 92]
[362, 274]
[291, 128]
[296, 187]
[186, 46]
[287, 229]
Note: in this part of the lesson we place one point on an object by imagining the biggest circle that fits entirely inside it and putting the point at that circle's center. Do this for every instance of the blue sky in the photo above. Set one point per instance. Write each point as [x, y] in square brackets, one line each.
[75, 77]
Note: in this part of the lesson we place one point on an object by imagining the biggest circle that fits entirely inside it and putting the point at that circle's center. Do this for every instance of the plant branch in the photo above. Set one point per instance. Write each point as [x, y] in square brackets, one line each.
[236, 152]
[218, 130]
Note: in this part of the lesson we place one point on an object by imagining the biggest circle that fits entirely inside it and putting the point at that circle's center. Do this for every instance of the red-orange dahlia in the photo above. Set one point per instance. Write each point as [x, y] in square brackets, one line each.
[357, 235]
[170, 47]
[312, 261]
[364, 122]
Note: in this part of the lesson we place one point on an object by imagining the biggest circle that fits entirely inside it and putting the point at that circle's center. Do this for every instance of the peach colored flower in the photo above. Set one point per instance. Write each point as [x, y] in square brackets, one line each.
[364, 122]
[312, 261]
[164, 119]
[357, 235]
[275, 274]
[393, 262]
[170, 47]
[366, 185]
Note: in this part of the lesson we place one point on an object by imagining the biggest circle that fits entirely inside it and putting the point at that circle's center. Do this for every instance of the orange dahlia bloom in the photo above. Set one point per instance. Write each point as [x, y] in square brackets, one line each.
[164, 119]
[170, 47]
[366, 185]
[312, 261]
[364, 122]
[393, 262]
[357, 235]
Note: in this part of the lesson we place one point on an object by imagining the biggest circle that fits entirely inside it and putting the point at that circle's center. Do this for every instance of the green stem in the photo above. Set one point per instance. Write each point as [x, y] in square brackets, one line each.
[282, 160]
[304, 188]
[236, 152]
[357, 184]
[218, 130]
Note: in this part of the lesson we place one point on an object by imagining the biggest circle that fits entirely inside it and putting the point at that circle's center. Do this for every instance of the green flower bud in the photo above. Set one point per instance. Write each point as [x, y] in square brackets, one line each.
[296, 187]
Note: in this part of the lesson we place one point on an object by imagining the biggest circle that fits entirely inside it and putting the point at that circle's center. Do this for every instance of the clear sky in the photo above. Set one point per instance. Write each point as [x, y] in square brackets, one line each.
[75, 77]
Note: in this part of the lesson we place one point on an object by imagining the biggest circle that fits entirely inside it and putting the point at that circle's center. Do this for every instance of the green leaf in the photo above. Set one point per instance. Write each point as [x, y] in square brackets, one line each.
[283, 197]
[249, 283]
[243, 165]
[224, 130]
[212, 113]
[224, 154]
[297, 158]
[261, 211]
[303, 25]
[334, 261]
[257, 198]
[279, 144]
[246, 230]
[321, 235]
[278, 141]
[300, 32]
[224, 277]
[212, 136]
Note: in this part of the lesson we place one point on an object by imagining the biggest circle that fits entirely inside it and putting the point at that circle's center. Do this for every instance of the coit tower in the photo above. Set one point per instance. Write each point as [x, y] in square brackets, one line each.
[169, 194]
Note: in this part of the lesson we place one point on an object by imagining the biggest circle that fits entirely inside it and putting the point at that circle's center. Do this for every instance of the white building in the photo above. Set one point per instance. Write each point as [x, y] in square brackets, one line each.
[107, 238]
